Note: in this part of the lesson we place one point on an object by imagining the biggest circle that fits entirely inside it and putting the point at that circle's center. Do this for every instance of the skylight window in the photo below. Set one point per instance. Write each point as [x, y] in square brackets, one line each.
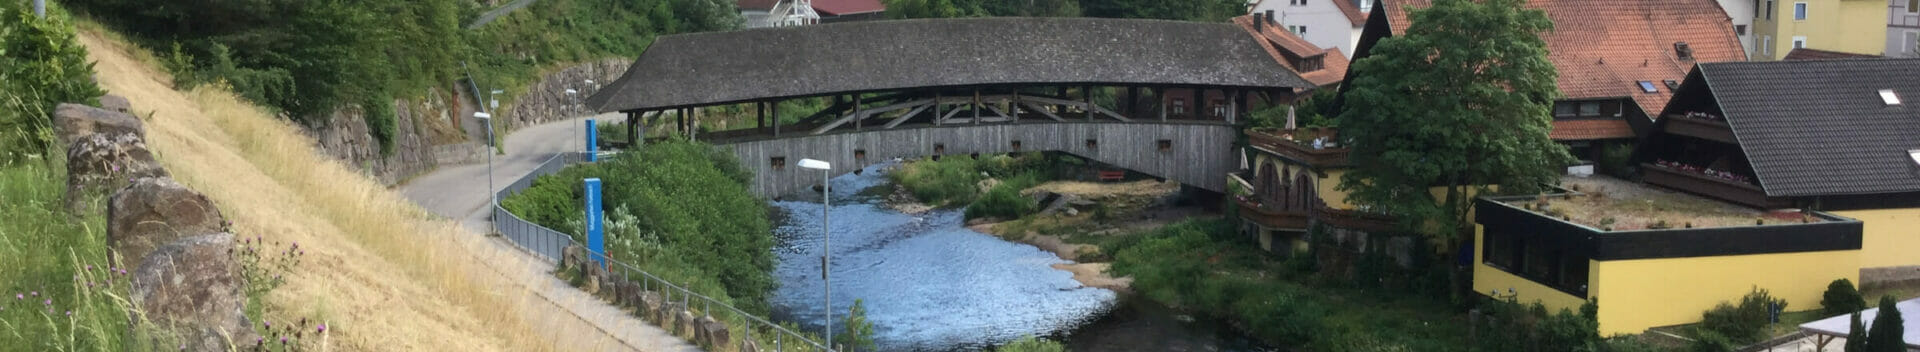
[1915, 154]
[1673, 85]
[1887, 96]
[1647, 86]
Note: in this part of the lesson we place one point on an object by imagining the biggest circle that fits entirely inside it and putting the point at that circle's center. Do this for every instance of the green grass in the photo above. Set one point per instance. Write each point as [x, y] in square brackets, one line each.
[53, 263]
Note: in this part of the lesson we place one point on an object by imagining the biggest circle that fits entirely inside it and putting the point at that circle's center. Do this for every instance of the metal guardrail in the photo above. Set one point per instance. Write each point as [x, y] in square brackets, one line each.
[549, 244]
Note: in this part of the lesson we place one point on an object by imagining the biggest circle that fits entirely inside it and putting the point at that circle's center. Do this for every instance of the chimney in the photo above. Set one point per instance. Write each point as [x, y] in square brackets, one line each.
[1258, 23]
[1272, 20]
[1681, 51]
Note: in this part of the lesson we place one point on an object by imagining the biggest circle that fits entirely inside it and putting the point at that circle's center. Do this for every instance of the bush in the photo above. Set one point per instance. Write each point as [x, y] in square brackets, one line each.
[945, 182]
[1744, 323]
[689, 200]
[41, 66]
[1030, 344]
[1841, 298]
[1887, 333]
[1616, 160]
[858, 335]
[1709, 341]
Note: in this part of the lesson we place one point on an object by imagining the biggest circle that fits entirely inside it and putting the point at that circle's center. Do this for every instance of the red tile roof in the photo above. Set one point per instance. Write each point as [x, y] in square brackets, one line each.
[847, 7]
[1816, 54]
[1573, 130]
[1278, 40]
[1602, 48]
[1354, 16]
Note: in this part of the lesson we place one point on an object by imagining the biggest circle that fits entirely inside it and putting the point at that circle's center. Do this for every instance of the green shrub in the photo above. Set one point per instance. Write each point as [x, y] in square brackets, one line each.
[1616, 160]
[1743, 323]
[946, 182]
[1887, 333]
[1841, 298]
[693, 219]
[380, 122]
[858, 335]
[41, 66]
[1031, 344]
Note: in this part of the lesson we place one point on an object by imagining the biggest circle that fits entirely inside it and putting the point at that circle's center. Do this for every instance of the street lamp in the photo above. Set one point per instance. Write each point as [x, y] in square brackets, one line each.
[826, 240]
[493, 199]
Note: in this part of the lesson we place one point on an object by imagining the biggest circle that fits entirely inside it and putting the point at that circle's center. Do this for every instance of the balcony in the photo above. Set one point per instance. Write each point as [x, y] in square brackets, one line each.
[1355, 219]
[1282, 143]
[1702, 128]
[1252, 208]
[1713, 187]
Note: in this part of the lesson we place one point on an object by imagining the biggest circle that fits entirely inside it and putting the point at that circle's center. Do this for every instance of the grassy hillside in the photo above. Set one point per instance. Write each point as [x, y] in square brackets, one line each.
[382, 272]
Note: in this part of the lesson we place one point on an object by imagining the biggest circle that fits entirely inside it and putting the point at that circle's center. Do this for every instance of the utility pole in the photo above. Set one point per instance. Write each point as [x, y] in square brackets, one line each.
[40, 8]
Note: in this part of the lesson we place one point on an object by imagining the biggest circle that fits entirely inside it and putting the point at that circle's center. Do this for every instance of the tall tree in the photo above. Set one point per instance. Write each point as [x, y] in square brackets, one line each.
[1460, 101]
[1887, 332]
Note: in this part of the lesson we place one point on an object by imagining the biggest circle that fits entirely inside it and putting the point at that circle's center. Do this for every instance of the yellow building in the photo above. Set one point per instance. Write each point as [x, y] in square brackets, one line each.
[1292, 186]
[1816, 166]
[1853, 26]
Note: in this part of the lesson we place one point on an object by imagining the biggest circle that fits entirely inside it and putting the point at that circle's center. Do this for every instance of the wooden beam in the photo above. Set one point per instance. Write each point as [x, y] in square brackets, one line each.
[857, 116]
[1013, 105]
[773, 109]
[1087, 92]
[937, 107]
[1160, 98]
[1043, 111]
[909, 116]
[856, 112]
[976, 107]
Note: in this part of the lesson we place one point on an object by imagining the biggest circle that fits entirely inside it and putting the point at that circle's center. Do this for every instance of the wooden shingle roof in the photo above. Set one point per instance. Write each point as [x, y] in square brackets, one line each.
[1817, 128]
[731, 67]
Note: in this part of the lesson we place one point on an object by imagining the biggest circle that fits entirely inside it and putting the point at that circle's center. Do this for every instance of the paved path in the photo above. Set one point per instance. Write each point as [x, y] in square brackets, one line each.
[461, 192]
[495, 13]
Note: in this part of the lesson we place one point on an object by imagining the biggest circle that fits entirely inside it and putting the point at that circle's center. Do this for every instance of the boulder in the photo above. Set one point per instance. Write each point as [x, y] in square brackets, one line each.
[192, 287]
[664, 316]
[155, 211]
[573, 257]
[116, 103]
[749, 345]
[683, 323]
[74, 121]
[713, 332]
[101, 162]
[649, 306]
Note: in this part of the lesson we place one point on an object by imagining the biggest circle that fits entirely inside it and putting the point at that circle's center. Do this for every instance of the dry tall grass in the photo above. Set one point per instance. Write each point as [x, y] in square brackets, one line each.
[381, 272]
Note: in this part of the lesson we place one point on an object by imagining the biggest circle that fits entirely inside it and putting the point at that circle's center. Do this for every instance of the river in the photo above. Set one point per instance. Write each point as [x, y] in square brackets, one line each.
[930, 284]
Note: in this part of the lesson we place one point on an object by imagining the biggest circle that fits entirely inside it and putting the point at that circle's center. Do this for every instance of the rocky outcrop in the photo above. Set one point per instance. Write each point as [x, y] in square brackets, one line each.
[74, 121]
[547, 99]
[192, 288]
[345, 136]
[99, 162]
[155, 211]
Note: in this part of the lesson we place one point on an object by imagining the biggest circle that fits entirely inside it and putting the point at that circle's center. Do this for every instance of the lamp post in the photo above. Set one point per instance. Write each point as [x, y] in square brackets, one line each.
[574, 97]
[826, 239]
[493, 199]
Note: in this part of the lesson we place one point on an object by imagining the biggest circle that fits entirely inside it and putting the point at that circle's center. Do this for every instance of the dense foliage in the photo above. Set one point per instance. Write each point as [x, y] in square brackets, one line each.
[1031, 344]
[858, 335]
[308, 58]
[1745, 322]
[1841, 298]
[1887, 333]
[1193, 10]
[957, 181]
[1469, 79]
[1511, 326]
[41, 65]
[692, 218]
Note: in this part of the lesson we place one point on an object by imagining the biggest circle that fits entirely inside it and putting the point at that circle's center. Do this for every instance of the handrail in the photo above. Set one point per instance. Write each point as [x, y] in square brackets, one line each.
[548, 244]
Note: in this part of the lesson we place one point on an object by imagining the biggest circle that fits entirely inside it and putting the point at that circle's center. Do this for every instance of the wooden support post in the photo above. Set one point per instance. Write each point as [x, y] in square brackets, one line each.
[760, 115]
[1133, 101]
[773, 111]
[938, 110]
[976, 107]
[1013, 108]
[856, 113]
[1061, 108]
[1087, 92]
[1199, 103]
[1160, 98]
[1233, 105]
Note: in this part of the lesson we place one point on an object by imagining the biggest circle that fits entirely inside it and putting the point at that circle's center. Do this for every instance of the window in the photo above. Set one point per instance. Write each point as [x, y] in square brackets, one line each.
[1769, 9]
[1672, 84]
[939, 148]
[1164, 144]
[1301, 30]
[1739, 29]
[1016, 145]
[1887, 96]
[1219, 108]
[1915, 154]
[1913, 6]
[860, 154]
[1590, 109]
[1179, 106]
[1799, 11]
[1557, 265]
[1647, 86]
[1913, 41]
[1766, 44]
[1499, 250]
[1367, 5]
[1093, 144]
[1562, 109]
[779, 163]
[1799, 41]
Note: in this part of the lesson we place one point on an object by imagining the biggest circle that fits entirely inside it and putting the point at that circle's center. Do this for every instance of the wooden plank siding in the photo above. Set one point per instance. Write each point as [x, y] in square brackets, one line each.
[1200, 155]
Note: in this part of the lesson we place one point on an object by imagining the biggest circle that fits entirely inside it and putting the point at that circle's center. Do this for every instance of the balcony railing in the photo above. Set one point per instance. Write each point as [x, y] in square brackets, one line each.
[1713, 187]
[1302, 151]
[1252, 209]
[1713, 130]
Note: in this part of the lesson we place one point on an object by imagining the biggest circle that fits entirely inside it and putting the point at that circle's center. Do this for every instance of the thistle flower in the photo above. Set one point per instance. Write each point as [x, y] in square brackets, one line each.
[322, 329]
[48, 302]
[283, 340]
[69, 313]
[19, 296]
[33, 293]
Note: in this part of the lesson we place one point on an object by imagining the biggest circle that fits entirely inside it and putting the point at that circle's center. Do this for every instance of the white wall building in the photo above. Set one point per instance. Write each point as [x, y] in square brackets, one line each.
[1325, 23]
[1742, 12]
[1903, 28]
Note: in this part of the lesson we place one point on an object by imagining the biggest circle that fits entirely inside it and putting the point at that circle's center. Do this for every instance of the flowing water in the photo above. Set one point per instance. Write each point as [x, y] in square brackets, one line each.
[930, 284]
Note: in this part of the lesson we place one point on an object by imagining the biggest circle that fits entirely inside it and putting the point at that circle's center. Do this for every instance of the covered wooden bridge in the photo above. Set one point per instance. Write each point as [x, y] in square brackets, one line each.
[1159, 97]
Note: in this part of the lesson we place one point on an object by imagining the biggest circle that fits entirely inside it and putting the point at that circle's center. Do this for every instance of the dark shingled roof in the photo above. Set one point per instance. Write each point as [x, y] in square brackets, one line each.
[730, 67]
[1817, 54]
[1814, 128]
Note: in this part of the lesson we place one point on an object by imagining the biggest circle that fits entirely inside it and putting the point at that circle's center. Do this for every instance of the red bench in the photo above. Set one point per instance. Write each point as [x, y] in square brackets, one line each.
[1111, 176]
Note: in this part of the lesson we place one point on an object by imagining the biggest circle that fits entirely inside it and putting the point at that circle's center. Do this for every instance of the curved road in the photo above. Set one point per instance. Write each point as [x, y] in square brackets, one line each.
[460, 192]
